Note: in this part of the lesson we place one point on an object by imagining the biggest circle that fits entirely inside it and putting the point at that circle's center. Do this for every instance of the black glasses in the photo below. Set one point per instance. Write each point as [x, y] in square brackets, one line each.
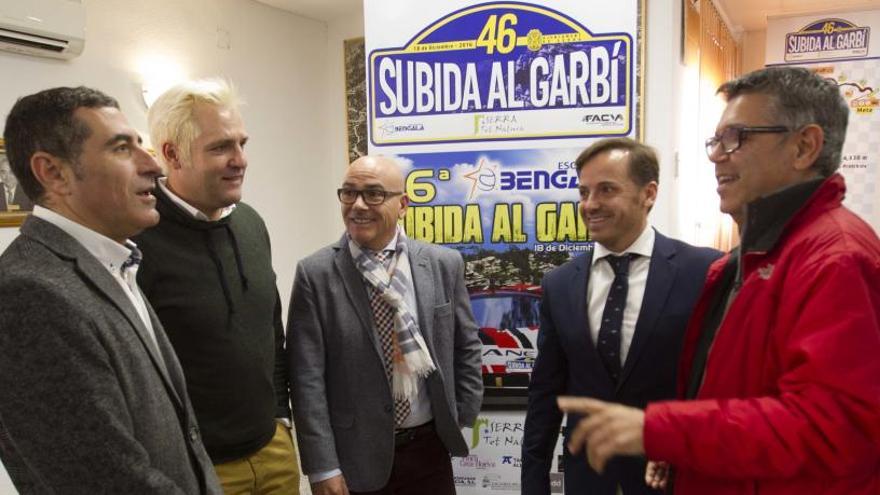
[732, 137]
[372, 197]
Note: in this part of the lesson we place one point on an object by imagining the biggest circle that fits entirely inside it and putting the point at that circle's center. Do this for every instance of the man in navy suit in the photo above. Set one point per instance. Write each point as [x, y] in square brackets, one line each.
[612, 320]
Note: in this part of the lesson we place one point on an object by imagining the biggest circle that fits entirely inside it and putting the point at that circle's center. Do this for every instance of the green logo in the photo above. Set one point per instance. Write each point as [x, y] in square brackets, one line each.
[479, 423]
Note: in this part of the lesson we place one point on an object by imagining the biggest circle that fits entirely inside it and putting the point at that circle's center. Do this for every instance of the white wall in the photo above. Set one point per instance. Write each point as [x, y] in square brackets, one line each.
[278, 61]
[754, 46]
[663, 74]
[338, 30]
[6, 487]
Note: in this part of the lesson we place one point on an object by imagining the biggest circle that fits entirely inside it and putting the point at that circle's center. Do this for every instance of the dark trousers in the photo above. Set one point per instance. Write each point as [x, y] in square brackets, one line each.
[421, 467]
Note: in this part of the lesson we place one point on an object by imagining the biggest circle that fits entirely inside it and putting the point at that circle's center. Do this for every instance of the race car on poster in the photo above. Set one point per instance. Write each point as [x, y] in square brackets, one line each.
[508, 318]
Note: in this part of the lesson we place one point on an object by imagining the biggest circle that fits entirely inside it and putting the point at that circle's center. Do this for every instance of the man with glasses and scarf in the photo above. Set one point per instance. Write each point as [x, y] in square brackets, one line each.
[384, 353]
[780, 361]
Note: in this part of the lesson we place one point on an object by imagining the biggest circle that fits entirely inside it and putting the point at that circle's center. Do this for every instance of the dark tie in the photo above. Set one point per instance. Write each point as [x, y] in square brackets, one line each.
[134, 259]
[383, 315]
[612, 315]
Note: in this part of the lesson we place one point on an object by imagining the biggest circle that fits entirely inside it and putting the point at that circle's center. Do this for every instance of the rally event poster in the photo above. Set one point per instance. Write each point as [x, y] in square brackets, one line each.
[486, 106]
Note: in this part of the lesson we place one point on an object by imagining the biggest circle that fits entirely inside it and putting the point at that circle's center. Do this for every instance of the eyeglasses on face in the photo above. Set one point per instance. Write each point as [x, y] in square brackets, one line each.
[732, 138]
[372, 197]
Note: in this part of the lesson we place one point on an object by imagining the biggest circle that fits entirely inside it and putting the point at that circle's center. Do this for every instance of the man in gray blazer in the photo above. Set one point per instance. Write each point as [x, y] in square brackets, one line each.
[92, 398]
[384, 352]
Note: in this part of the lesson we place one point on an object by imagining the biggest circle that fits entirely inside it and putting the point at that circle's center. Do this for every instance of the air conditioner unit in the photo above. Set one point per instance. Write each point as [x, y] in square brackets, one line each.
[46, 28]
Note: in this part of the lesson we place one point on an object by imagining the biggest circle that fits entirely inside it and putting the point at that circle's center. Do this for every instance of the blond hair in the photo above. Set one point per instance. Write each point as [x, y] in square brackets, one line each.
[171, 118]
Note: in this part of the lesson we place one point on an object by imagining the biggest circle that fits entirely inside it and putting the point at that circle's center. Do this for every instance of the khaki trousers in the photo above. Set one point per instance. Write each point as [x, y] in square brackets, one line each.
[274, 469]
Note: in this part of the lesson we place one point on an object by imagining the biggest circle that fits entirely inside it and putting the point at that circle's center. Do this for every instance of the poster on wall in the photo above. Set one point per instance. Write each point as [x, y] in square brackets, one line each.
[513, 216]
[486, 106]
[845, 48]
[494, 462]
[500, 72]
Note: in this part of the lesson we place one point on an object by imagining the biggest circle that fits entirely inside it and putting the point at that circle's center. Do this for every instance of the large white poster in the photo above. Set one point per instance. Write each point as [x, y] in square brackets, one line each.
[486, 106]
[843, 47]
[515, 74]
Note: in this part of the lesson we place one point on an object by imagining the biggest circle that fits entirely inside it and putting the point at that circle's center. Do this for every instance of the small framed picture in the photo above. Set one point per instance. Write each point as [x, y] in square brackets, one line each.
[355, 97]
[14, 203]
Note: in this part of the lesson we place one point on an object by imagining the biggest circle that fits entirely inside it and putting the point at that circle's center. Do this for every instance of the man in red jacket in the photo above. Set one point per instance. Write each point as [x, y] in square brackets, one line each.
[781, 360]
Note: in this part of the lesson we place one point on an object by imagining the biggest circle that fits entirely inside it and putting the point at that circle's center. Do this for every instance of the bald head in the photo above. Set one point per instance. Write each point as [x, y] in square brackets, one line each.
[380, 166]
[377, 185]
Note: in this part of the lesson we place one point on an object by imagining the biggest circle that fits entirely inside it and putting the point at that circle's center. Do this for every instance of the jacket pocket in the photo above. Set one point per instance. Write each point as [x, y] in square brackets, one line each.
[443, 310]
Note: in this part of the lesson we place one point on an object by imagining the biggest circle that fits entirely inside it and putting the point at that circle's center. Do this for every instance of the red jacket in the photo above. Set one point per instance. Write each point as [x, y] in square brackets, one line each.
[790, 398]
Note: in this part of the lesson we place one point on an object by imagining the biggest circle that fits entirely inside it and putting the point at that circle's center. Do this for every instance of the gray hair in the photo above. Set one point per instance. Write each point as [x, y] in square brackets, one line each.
[799, 98]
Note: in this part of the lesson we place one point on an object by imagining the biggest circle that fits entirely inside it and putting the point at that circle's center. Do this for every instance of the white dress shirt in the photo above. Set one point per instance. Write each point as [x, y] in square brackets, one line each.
[111, 255]
[601, 277]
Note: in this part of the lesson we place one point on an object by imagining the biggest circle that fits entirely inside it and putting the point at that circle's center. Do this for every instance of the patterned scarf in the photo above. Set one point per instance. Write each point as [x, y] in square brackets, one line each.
[411, 358]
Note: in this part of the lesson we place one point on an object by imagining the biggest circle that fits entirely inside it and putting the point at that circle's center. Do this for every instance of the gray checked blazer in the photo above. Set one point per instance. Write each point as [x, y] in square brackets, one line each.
[86, 407]
[342, 402]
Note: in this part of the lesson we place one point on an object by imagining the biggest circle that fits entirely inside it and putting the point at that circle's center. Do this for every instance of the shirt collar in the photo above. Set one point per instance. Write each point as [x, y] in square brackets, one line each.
[190, 209]
[108, 252]
[642, 246]
[766, 217]
[391, 246]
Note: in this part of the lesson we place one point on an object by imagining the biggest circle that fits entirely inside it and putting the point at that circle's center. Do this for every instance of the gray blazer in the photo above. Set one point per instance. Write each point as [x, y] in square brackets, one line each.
[342, 402]
[85, 406]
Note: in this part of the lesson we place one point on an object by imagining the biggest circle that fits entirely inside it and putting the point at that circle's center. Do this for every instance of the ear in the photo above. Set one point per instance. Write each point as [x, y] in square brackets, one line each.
[52, 173]
[650, 192]
[809, 142]
[404, 204]
[171, 156]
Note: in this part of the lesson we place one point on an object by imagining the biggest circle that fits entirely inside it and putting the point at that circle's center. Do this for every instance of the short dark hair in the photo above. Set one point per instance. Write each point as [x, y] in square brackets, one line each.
[44, 121]
[798, 98]
[643, 165]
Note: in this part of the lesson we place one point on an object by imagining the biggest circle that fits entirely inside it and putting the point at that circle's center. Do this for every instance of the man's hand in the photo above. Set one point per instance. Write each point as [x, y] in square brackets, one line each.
[331, 486]
[606, 431]
[657, 475]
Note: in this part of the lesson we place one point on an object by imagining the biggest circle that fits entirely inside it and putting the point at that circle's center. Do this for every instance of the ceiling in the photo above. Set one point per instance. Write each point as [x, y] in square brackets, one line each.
[320, 10]
[751, 15]
[743, 15]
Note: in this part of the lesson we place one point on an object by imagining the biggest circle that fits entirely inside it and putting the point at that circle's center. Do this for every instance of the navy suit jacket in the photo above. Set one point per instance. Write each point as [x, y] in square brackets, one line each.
[568, 363]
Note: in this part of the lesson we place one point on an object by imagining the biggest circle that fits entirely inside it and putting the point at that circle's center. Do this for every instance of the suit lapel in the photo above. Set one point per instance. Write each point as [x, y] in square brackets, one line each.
[580, 282]
[352, 282]
[91, 271]
[169, 357]
[661, 276]
[423, 282]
